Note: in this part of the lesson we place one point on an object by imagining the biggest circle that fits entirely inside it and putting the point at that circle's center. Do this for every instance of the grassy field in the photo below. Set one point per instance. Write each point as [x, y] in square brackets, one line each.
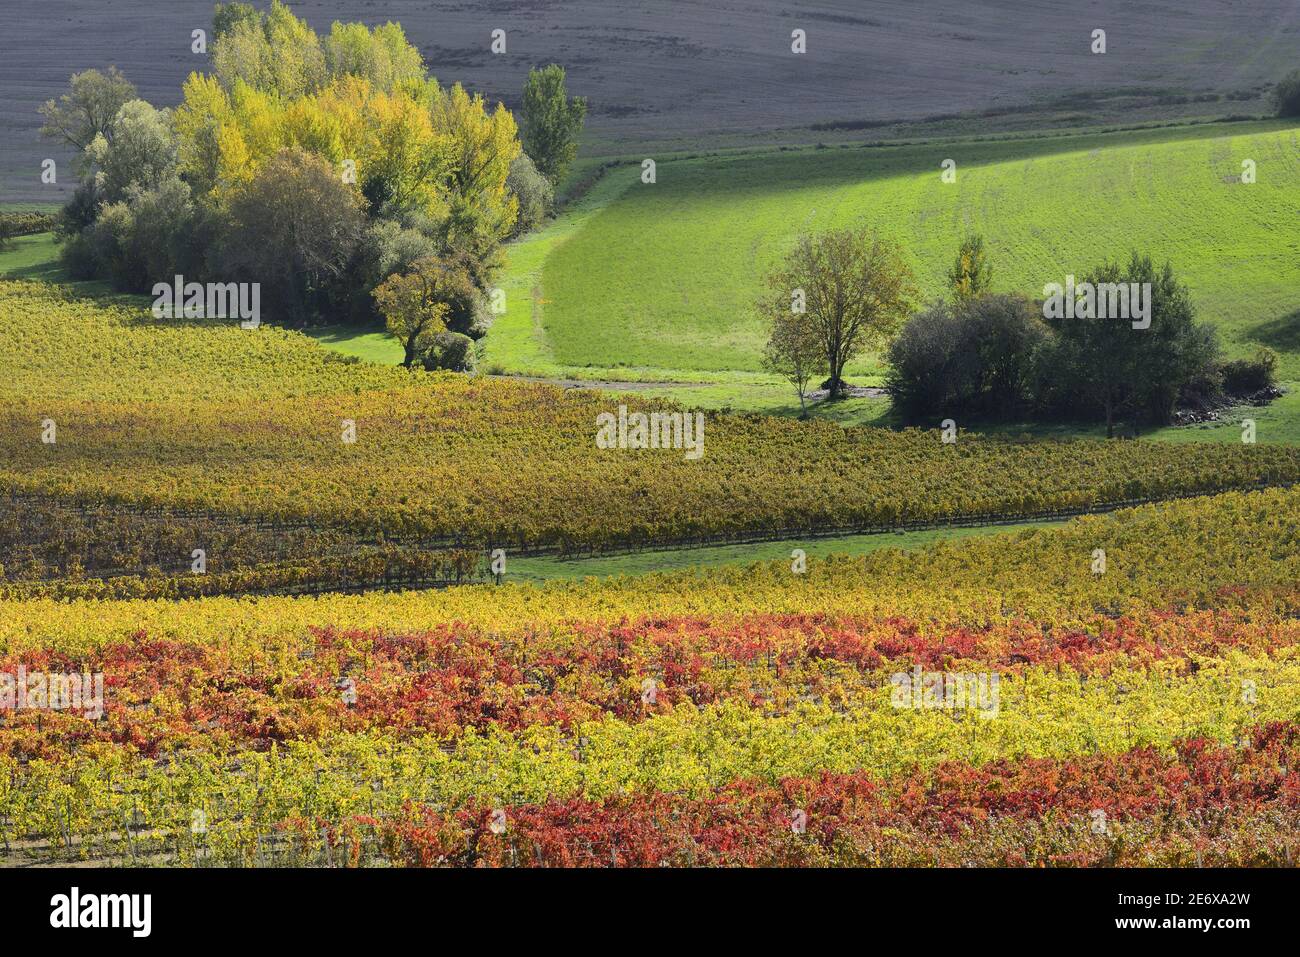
[373, 346]
[663, 276]
[37, 258]
[654, 283]
[546, 568]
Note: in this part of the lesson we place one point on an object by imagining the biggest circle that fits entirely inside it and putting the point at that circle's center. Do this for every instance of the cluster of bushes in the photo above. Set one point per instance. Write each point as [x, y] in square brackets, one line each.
[980, 356]
[996, 357]
[315, 166]
[1249, 377]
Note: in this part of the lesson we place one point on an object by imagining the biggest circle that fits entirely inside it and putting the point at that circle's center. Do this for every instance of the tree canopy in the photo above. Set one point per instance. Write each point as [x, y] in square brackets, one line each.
[857, 289]
[552, 121]
[425, 170]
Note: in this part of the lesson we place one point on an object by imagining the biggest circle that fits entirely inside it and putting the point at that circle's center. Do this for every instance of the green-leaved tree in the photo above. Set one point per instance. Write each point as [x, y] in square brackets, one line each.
[971, 274]
[552, 121]
[857, 289]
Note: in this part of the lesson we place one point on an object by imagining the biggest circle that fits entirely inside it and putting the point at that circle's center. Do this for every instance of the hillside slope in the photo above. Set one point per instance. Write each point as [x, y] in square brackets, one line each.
[664, 276]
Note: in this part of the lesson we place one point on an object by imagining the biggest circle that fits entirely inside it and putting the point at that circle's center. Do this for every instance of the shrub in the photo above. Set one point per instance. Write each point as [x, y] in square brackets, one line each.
[80, 211]
[1202, 391]
[107, 246]
[977, 358]
[453, 351]
[533, 191]
[1245, 377]
[78, 256]
[1286, 95]
[146, 238]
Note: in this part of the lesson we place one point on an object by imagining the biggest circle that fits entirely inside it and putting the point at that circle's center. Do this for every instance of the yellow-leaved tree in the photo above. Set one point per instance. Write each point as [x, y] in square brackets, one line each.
[414, 304]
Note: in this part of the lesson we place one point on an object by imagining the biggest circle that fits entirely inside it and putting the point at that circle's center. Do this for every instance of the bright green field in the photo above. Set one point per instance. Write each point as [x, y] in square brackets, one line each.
[657, 281]
[644, 563]
[37, 258]
[377, 346]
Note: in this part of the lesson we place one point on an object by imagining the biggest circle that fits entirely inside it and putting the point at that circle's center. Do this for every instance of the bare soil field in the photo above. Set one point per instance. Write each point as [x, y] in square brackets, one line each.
[670, 73]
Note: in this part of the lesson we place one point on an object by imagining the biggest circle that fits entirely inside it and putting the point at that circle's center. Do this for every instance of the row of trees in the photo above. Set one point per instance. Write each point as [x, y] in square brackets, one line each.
[983, 356]
[317, 166]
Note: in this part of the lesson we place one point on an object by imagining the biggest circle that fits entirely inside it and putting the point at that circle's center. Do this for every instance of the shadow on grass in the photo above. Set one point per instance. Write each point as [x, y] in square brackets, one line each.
[874, 412]
[35, 258]
[858, 163]
[336, 334]
[1282, 333]
[44, 271]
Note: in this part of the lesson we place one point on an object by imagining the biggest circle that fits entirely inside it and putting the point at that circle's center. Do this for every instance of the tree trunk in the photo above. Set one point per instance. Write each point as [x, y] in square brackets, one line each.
[837, 381]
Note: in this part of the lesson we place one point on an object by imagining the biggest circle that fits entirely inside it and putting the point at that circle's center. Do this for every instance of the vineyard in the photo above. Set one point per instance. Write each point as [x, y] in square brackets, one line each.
[226, 637]
[50, 547]
[250, 425]
[24, 224]
[1143, 715]
[443, 474]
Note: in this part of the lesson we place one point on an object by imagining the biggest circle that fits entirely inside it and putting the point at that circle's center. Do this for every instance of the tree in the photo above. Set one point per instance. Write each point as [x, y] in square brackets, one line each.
[551, 121]
[207, 133]
[971, 273]
[414, 305]
[1108, 366]
[927, 376]
[291, 150]
[142, 152]
[1005, 334]
[274, 52]
[857, 288]
[226, 16]
[395, 248]
[1286, 96]
[382, 56]
[88, 109]
[481, 210]
[294, 227]
[794, 348]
